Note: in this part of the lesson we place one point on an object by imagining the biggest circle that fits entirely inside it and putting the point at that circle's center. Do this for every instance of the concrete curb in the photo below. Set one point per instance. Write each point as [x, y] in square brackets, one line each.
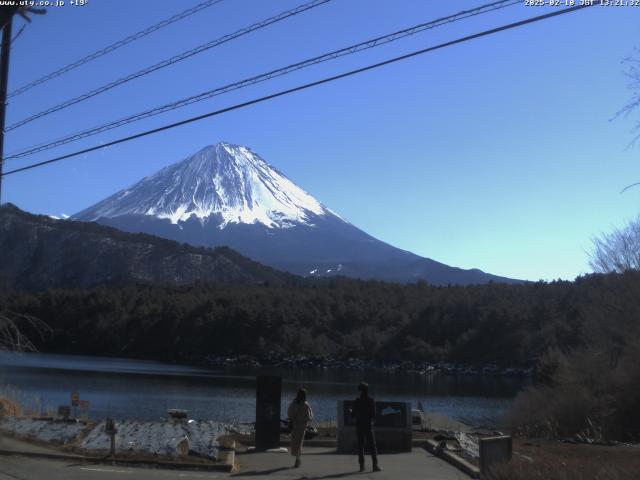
[460, 463]
[52, 456]
[226, 465]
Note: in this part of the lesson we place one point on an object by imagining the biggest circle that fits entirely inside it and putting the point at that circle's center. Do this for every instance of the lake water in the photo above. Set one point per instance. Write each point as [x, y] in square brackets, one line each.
[135, 389]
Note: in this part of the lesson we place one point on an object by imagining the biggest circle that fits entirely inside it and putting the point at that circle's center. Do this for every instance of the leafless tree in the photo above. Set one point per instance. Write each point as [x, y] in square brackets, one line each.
[12, 327]
[618, 250]
[632, 72]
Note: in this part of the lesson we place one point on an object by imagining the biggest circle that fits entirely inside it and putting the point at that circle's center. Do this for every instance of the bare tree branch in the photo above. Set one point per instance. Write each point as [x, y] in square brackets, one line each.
[631, 69]
[617, 251]
[12, 327]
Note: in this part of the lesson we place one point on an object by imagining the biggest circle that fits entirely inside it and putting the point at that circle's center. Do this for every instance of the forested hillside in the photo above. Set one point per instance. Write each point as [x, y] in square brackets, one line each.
[40, 252]
[506, 324]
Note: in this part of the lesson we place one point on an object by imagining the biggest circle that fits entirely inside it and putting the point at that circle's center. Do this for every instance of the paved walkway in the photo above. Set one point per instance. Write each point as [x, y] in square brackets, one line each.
[324, 463]
[317, 463]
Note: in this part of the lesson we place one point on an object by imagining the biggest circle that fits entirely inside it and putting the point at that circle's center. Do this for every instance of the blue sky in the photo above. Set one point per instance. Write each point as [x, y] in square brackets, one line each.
[497, 154]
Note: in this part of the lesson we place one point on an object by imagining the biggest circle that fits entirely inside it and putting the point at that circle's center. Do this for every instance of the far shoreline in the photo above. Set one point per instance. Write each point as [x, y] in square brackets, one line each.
[284, 361]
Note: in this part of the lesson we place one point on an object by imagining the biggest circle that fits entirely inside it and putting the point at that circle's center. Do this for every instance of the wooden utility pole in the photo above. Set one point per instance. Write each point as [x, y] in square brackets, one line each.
[4, 78]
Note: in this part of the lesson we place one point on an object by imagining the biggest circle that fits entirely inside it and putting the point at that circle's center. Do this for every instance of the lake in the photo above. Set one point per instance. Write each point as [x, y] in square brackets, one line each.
[144, 390]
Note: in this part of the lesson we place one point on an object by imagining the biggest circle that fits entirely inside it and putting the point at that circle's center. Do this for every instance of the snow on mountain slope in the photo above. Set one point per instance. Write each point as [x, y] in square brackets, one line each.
[224, 181]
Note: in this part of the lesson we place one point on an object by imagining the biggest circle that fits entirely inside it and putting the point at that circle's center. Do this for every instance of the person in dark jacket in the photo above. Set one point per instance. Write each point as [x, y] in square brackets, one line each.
[364, 412]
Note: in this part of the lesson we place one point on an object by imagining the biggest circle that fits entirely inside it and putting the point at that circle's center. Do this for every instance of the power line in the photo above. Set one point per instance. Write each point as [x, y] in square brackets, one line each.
[171, 61]
[305, 86]
[114, 46]
[265, 76]
[15, 37]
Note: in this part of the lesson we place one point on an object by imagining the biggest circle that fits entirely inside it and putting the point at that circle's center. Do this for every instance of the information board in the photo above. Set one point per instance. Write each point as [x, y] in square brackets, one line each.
[388, 414]
[268, 395]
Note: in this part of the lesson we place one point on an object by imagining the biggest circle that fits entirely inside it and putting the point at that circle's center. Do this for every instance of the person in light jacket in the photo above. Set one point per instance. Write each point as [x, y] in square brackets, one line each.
[300, 414]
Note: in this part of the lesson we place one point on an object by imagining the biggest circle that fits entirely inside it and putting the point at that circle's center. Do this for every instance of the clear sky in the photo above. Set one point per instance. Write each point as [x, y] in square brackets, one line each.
[498, 154]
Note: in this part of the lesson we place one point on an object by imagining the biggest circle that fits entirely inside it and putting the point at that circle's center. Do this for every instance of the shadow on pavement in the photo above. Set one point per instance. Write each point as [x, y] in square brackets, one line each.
[335, 475]
[256, 473]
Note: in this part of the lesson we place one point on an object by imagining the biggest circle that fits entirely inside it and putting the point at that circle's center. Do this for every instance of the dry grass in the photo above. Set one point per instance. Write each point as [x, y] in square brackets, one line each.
[327, 428]
[551, 460]
[327, 424]
[9, 407]
[589, 393]
[15, 403]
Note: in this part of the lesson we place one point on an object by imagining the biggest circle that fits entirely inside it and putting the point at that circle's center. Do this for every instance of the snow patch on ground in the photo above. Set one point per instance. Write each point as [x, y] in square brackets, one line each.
[159, 438]
[43, 430]
[166, 438]
[469, 443]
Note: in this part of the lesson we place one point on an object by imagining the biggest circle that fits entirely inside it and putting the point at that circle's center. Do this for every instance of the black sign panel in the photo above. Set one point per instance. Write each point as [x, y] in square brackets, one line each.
[388, 414]
[268, 393]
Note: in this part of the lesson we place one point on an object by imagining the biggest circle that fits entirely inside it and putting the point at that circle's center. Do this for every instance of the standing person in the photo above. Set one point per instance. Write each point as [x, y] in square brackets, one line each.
[300, 414]
[364, 411]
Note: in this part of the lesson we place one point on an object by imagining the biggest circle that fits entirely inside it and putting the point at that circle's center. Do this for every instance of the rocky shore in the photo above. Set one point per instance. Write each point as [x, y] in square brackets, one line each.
[328, 362]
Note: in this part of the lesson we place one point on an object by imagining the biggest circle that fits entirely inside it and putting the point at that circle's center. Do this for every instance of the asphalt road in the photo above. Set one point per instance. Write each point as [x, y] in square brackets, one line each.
[24, 468]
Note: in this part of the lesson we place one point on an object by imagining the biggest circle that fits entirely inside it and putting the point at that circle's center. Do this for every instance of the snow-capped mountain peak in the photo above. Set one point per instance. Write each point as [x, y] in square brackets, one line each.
[224, 181]
[227, 195]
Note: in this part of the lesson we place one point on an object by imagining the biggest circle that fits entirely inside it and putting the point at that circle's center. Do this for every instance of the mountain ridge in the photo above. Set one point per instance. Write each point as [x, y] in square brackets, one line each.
[41, 252]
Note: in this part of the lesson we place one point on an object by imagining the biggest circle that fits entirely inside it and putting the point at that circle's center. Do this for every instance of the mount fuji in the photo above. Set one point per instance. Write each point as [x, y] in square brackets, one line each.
[227, 195]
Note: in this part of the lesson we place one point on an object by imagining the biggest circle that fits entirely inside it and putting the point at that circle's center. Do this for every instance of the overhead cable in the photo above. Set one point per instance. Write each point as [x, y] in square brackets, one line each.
[303, 87]
[114, 46]
[368, 44]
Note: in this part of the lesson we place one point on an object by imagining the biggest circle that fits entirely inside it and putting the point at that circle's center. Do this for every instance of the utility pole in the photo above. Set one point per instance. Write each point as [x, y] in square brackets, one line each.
[6, 21]
[4, 78]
